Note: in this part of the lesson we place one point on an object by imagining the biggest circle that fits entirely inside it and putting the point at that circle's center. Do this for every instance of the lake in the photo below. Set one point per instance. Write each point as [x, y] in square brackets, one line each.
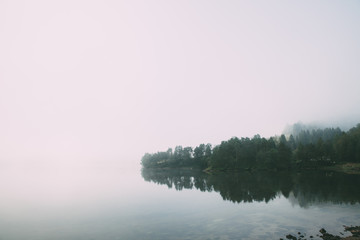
[101, 202]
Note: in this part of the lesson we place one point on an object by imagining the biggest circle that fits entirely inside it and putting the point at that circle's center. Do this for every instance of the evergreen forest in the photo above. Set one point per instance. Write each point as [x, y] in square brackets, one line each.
[302, 148]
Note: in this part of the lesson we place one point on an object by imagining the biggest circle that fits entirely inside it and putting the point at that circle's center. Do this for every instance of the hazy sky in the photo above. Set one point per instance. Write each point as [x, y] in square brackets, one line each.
[114, 79]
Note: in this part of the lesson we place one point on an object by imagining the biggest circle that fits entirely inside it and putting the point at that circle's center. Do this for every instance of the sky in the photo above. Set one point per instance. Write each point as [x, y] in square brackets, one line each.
[98, 80]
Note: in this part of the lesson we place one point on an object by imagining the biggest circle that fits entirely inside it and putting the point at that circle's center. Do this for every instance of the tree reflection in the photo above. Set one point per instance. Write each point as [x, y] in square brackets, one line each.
[305, 188]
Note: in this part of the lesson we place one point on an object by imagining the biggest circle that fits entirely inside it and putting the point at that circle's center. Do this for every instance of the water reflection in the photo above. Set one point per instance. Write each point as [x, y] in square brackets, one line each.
[303, 189]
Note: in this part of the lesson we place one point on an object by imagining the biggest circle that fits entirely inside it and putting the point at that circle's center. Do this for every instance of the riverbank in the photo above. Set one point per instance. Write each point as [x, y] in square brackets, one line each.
[348, 168]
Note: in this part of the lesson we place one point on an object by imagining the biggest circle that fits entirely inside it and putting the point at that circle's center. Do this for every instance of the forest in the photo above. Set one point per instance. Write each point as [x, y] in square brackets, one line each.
[301, 148]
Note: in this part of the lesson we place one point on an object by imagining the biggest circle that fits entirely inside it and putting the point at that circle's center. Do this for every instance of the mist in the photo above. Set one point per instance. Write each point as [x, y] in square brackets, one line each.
[103, 82]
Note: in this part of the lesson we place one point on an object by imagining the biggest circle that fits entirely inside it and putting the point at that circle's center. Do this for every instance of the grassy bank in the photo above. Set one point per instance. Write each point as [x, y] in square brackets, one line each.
[348, 168]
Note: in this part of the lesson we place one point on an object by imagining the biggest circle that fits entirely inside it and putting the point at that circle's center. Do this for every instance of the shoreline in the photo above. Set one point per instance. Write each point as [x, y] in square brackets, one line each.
[346, 168]
[353, 230]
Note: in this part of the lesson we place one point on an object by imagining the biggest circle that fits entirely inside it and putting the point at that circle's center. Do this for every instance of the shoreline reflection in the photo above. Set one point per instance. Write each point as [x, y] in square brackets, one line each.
[300, 188]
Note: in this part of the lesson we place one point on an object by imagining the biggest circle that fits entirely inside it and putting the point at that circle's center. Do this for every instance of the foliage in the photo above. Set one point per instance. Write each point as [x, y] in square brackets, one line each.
[303, 149]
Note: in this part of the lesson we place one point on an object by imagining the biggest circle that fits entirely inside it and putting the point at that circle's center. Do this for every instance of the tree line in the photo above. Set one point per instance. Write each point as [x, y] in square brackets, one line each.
[300, 149]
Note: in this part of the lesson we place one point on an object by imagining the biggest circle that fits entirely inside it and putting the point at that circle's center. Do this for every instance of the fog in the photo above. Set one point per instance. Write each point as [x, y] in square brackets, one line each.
[93, 82]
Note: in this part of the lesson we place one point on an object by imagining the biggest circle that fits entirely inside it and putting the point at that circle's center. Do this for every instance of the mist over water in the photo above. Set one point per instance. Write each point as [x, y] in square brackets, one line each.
[115, 80]
[105, 202]
[88, 87]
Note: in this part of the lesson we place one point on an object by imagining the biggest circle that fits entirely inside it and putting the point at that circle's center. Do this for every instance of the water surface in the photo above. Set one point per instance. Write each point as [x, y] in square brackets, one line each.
[112, 203]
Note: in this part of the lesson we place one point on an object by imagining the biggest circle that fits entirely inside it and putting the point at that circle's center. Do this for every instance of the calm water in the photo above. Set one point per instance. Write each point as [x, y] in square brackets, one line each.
[113, 203]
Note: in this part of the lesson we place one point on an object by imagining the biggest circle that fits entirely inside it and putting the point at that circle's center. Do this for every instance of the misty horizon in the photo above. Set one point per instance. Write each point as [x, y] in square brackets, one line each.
[89, 81]
[91, 92]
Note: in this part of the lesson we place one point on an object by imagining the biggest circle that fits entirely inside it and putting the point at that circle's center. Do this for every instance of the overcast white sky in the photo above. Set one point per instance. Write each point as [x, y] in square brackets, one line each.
[115, 79]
